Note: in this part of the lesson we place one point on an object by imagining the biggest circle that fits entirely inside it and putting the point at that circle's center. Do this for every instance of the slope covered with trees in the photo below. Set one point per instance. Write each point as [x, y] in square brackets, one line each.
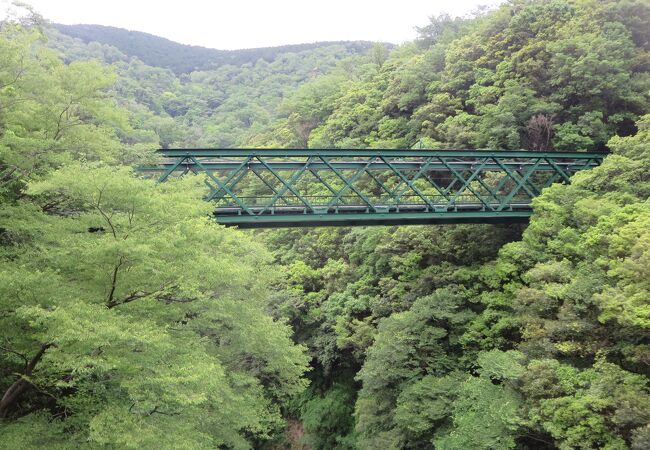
[179, 58]
[444, 336]
[538, 75]
[130, 322]
[219, 107]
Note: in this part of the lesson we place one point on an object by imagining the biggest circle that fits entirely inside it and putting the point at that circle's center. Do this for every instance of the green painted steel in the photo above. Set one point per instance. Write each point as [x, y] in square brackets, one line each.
[322, 187]
[320, 220]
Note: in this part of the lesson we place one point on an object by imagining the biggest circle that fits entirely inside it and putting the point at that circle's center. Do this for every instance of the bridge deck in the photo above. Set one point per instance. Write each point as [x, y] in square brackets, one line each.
[305, 187]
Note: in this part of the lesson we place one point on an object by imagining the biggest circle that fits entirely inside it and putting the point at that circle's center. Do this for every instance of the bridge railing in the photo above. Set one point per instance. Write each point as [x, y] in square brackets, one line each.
[265, 187]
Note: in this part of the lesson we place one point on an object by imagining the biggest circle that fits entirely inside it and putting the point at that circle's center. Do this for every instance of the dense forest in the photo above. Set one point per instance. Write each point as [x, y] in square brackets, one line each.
[179, 58]
[130, 322]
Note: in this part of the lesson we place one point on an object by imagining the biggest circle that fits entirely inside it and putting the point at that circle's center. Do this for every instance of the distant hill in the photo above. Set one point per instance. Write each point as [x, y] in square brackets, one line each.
[180, 58]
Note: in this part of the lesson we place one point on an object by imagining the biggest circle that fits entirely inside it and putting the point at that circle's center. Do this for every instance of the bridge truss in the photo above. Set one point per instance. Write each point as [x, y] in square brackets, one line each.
[306, 187]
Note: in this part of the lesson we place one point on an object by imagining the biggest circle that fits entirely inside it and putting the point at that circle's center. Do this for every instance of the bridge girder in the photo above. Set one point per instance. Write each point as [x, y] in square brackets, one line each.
[257, 188]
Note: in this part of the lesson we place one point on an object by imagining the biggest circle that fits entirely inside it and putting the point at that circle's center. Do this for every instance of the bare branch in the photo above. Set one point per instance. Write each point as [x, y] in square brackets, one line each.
[21, 355]
[20, 73]
[110, 302]
[155, 410]
[158, 294]
[106, 217]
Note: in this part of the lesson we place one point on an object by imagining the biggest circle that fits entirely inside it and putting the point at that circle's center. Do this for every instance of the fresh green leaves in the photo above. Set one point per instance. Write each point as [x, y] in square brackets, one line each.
[129, 318]
[153, 302]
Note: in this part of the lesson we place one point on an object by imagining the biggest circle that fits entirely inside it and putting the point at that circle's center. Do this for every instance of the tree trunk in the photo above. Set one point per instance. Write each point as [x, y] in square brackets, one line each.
[20, 386]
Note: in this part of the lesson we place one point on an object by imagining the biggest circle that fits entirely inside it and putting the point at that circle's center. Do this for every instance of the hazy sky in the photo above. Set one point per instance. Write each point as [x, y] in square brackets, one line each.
[231, 24]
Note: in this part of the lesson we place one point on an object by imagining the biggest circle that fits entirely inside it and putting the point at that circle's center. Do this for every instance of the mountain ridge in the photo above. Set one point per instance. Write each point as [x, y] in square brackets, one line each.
[183, 58]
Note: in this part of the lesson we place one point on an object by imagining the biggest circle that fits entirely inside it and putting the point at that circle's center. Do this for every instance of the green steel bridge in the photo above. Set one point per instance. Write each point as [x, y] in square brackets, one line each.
[307, 187]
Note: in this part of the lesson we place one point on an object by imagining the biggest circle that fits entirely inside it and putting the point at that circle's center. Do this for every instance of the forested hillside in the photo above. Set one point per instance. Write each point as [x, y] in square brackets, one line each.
[130, 322]
[222, 107]
[179, 58]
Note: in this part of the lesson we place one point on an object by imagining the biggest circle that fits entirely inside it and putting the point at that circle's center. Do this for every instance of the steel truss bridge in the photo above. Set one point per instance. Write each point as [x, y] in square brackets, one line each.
[305, 187]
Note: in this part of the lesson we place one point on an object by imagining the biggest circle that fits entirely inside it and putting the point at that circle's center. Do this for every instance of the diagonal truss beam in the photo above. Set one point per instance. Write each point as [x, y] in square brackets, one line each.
[348, 184]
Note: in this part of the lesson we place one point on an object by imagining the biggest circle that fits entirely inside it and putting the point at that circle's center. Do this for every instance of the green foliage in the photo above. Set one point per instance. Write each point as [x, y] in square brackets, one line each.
[590, 270]
[426, 406]
[149, 326]
[409, 345]
[572, 291]
[131, 296]
[328, 419]
[160, 52]
[501, 366]
[596, 408]
[121, 324]
[485, 417]
[479, 82]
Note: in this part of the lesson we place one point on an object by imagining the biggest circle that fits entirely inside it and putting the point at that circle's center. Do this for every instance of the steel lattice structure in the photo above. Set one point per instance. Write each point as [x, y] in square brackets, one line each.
[306, 187]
